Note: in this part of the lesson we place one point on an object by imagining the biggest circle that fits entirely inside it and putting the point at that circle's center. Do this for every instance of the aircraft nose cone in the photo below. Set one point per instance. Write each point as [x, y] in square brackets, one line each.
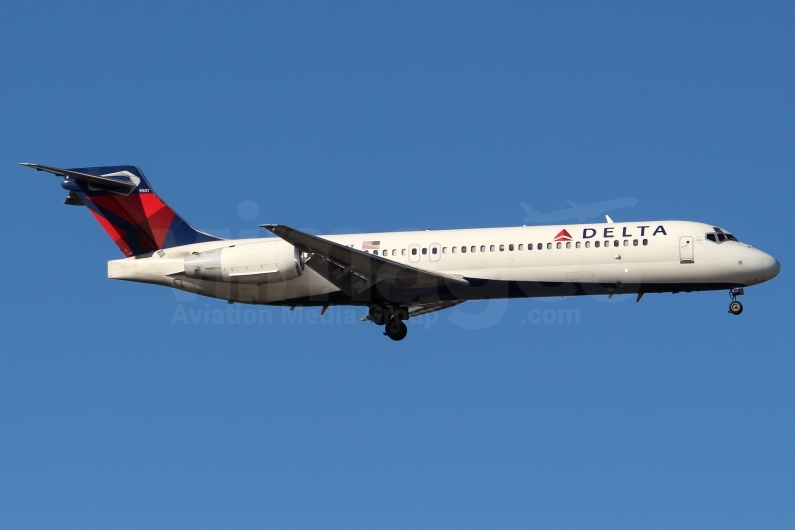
[772, 268]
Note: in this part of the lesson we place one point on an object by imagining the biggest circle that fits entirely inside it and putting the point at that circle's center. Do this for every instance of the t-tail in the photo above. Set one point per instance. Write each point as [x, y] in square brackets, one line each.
[127, 207]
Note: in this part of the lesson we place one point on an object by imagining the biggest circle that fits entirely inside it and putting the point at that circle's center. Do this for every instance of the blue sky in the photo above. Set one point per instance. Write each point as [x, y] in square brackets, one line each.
[117, 412]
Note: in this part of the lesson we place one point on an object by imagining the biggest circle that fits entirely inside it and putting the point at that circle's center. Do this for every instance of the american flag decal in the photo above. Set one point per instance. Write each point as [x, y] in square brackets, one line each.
[371, 245]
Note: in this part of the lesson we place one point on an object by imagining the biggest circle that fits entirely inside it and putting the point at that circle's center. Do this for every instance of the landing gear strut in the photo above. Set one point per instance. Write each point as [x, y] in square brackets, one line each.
[395, 329]
[735, 307]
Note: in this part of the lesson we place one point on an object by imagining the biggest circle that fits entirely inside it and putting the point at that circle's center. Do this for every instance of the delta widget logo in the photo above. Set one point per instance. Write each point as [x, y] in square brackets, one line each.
[563, 235]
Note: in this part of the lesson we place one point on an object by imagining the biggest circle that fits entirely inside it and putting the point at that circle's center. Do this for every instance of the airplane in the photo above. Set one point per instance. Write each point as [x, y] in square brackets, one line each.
[401, 275]
[581, 212]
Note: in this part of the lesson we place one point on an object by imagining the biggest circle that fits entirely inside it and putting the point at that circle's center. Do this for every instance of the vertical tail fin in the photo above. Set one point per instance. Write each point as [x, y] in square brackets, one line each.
[127, 207]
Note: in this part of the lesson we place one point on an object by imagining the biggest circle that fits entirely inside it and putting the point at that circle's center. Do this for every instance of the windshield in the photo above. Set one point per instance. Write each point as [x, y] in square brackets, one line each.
[719, 236]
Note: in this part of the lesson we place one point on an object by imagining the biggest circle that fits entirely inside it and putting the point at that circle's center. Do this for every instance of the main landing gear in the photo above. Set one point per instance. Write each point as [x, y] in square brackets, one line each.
[394, 328]
[735, 307]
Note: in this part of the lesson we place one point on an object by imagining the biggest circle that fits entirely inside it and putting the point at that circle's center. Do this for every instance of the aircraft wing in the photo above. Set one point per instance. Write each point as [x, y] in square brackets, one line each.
[424, 309]
[354, 271]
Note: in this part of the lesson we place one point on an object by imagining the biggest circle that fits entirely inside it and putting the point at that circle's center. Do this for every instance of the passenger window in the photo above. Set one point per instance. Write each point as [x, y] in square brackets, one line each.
[424, 251]
[568, 244]
[491, 248]
[549, 246]
[577, 244]
[520, 247]
[375, 252]
[483, 248]
[634, 242]
[455, 249]
[463, 250]
[645, 242]
[529, 246]
[510, 247]
[596, 244]
[588, 244]
[615, 242]
[444, 250]
[558, 245]
[473, 249]
[394, 252]
[626, 242]
[414, 252]
[403, 252]
[607, 244]
[502, 248]
[434, 250]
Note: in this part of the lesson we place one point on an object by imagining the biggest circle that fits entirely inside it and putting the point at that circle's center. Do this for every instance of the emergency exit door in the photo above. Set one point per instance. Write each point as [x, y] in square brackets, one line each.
[686, 249]
[436, 251]
[414, 253]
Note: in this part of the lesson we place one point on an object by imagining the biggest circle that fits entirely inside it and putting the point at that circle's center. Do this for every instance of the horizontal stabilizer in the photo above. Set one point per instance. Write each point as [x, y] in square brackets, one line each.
[120, 181]
[127, 207]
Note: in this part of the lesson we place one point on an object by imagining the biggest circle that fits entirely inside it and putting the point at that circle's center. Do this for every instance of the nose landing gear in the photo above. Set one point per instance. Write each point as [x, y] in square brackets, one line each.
[735, 307]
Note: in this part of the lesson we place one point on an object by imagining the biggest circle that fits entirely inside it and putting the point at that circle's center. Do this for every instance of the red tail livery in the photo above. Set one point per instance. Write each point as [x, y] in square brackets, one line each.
[127, 207]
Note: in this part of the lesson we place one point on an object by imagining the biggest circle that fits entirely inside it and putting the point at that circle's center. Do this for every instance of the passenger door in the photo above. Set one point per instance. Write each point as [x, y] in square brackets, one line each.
[686, 249]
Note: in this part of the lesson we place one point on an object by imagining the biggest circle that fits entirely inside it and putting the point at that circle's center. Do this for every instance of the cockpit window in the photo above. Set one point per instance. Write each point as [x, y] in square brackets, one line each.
[719, 236]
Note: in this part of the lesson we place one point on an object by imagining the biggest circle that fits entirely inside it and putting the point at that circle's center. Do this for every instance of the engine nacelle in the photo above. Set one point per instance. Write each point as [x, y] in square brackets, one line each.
[261, 262]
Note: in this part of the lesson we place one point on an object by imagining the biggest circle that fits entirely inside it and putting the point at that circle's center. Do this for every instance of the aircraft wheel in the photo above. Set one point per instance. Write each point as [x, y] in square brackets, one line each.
[396, 329]
[735, 308]
[377, 314]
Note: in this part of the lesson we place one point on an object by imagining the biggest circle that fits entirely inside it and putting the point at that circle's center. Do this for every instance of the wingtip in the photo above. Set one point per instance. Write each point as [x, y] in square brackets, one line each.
[268, 226]
[27, 164]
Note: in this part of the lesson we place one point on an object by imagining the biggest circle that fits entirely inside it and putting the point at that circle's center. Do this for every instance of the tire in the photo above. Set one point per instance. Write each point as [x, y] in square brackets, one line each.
[735, 308]
[377, 315]
[396, 329]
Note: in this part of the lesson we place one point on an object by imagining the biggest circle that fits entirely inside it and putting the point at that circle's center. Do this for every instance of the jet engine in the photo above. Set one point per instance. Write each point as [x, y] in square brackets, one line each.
[261, 262]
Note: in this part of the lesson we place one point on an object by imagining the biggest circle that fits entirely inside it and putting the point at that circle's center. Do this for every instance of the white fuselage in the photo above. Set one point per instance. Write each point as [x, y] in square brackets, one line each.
[654, 256]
